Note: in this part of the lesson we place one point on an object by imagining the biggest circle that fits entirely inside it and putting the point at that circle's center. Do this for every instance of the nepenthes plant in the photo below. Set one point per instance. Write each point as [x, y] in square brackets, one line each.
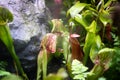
[95, 20]
[5, 36]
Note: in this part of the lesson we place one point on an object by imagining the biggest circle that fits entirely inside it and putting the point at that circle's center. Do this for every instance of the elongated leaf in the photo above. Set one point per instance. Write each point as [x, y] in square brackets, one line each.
[6, 38]
[107, 4]
[96, 46]
[79, 18]
[100, 5]
[90, 37]
[42, 64]
[39, 65]
[5, 17]
[77, 8]
[66, 48]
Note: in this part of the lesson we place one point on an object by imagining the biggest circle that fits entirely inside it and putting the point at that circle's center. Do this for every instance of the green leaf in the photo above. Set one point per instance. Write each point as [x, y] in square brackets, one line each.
[89, 15]
[6, 38]
[105, 17]
[66, 48]
[4, 73]
[39, 65]
[44, 64]
[100, 5]
[79, 18]
[96, 46]
[90, 37]
[5, 17]
[78, 67]
[75, 9]
[92, 27]
[107, 4]
[11, 77]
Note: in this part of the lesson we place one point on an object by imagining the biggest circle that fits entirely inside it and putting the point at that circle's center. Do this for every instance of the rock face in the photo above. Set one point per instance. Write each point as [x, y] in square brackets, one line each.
[29, 26]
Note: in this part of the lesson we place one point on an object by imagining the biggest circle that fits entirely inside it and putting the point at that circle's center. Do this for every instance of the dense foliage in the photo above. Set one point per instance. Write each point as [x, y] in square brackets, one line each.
[87, 40]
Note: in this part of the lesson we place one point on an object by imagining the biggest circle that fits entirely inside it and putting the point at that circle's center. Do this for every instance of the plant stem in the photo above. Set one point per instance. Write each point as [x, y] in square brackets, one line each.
[85, 59]
[39, 65]
[7, 40]
[17, 62]
[44, 64]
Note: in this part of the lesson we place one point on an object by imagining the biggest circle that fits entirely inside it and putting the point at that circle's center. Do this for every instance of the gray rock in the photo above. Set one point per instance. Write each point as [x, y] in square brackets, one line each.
[29, 26]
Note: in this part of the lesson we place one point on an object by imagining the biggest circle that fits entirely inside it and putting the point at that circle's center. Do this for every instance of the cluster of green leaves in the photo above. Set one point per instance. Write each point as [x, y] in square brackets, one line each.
[94, 18]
